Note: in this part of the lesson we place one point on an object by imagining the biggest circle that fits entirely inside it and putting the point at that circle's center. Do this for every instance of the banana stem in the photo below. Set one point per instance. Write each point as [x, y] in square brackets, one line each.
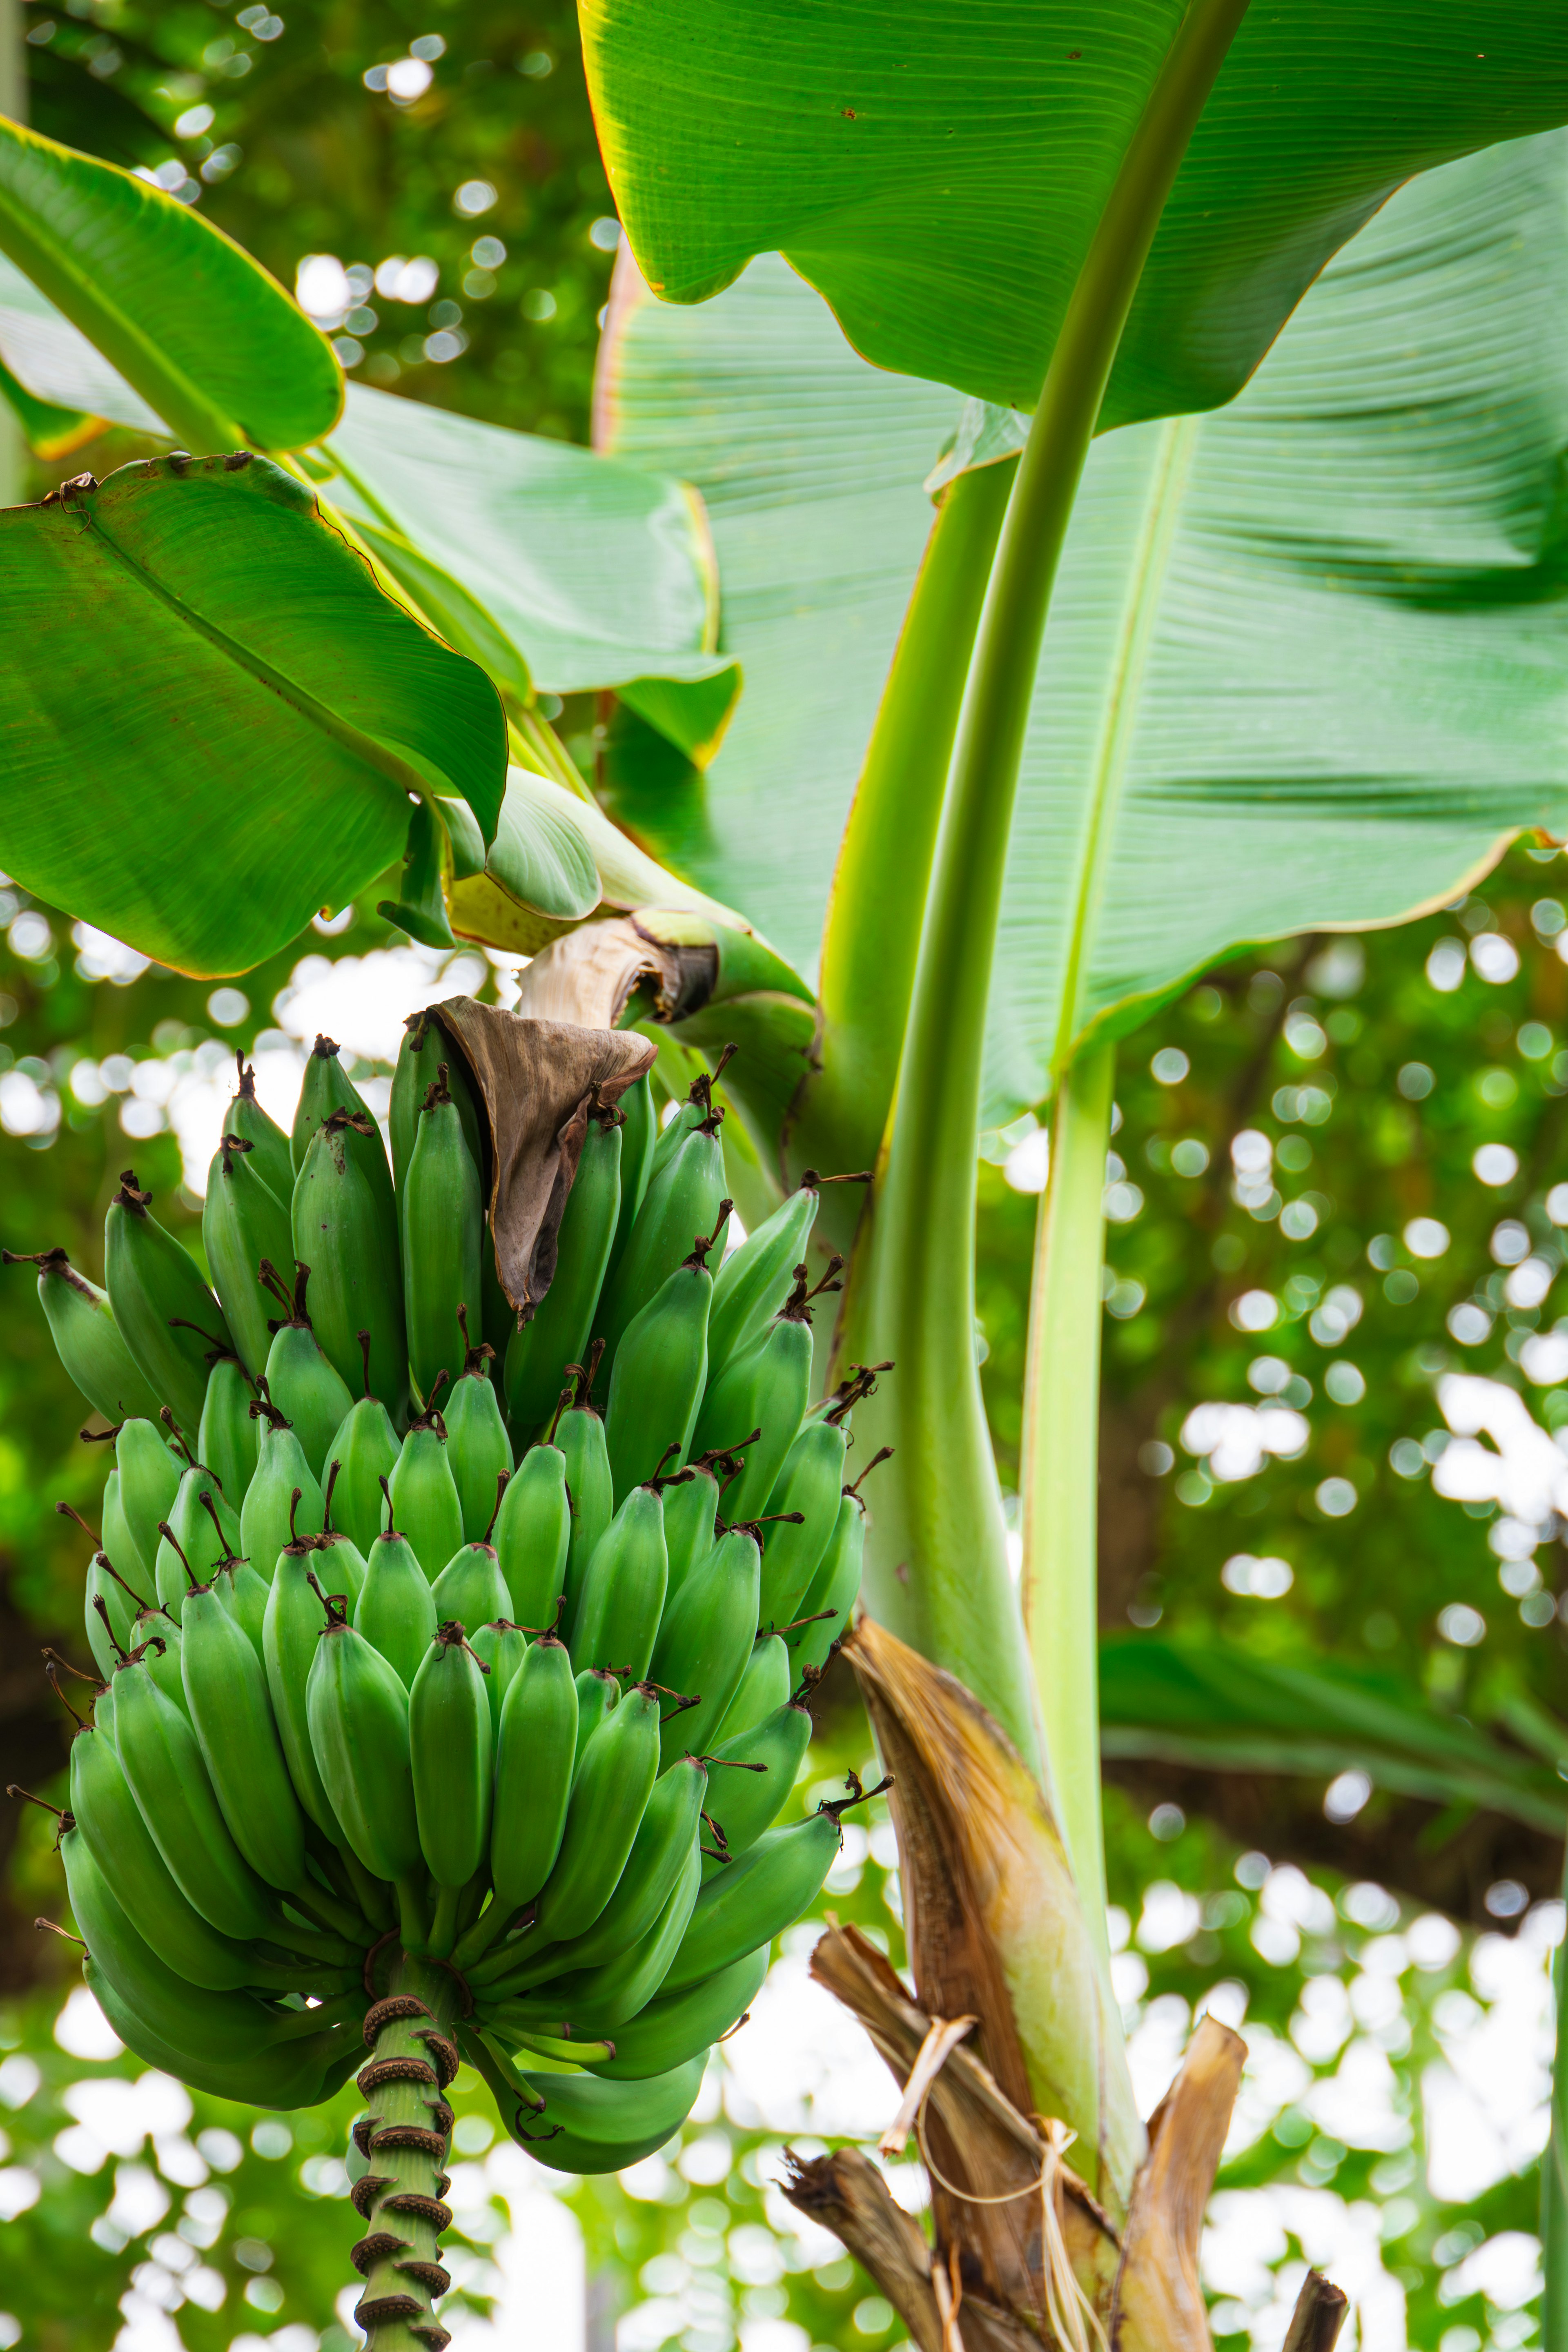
[1060, 1452]
[370, 1892]
[312, 1943]
[412, 1925]
[936, 1557]
[328, 1912]
[405, 2137]
[443, 1927]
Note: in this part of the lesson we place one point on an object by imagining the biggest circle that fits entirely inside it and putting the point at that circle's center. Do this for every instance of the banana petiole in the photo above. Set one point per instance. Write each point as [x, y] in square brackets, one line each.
[311, 1941]
[325, 1911]
[575, 2053]
[443, 1926]
[412, 1925]
[497, 2068]
[372, 1893]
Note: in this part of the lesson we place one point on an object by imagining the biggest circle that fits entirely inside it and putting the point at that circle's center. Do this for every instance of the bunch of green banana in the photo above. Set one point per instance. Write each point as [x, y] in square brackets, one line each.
[494, 1698]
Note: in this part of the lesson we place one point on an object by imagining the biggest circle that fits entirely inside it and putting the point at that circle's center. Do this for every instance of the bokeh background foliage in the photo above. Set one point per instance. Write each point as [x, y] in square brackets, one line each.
[1333, 1187]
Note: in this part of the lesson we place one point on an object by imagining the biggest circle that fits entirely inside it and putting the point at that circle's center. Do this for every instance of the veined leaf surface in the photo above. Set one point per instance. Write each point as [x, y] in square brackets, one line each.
[938, 176]
[1307, 657]
[211, 718]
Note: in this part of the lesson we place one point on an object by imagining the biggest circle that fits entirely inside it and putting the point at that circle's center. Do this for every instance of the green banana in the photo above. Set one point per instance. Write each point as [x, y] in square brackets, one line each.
[705, 1640]
[747, 1799]
[828, 1607]
[452, 1747]
[193, 1541]
[345, 1232]
[106, 1814]
[365, 1447]
[501, 1647]
[757, 1895]
[442, 1230]
[755, 1279]
[395, 1611]
[471, 1587]
[227, 1693]
[114, 1623]
[580, 1434]
[424, 1046]
[535, 1745]
[341, 1561]
[639, 1138]
[613, 1784]
[478, 1447]
[307, 1389]
[533, 1536]
[597, 2000]
[125, 1557]
[598, 1695]
[622, 1599]
[165, 1766]
[149, 1482]
[300, 2074]
[763, 1687]
[290, 1635]
[540, 1351]
[422, 1494]
[660, 1372]
[682, 1200]
[269, 1513]
[165, 1313]
[225, 1439]
[87, 1338]
[244, 1222]
[324, 1089]
[692, 1519]
[665, 1838]
[156, 1646]
[560, 2121]
[680, 2026]
[269, 1146]
[764, 1389]
[358, 1713]
[809, 1484]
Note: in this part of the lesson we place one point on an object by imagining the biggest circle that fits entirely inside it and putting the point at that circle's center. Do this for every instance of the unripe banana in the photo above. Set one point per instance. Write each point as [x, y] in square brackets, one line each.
[539, 1352]
[681, 2026]
[130, 1585]
[755, 1279]
[533, 1536]
[661, 1368]
[471, 1587]
[290, 1635]
[324, 1089]
[595, 2135]
[810, 1483]
[705, 1640]
[679, 1120]
[149, 1482]
[227, 1437]
[268, 1145]
[424, 1494]
[306, 1389]
[580, 1434]
[598, 1695]
[87, 1338]
[535, 1746]
[193, 1540]
[345, 1230]
[478, 1447]
[755, 1897]
[639, 1138]
[609, 1795]
[764, 1686]
[226, 1693]
[622, 1598]
[358, 1713]
[692, 1519]
[598, 1999]
[340, 1564]
[107, 1815]
[111, 1626]
[269, 1512]
[156, 1646]
[501, 1647]
[298, 2074]
[243, 1223]
[166, 1315]
[163, 1762]
[830, 1600]
[395, 1611]
[365, 1447]
[682, 1199]
[665, 1838]
[745, 1801]
[765, 1388]
[451, 1744]
[424, 1048]
[442, 1228]
[243, 1594]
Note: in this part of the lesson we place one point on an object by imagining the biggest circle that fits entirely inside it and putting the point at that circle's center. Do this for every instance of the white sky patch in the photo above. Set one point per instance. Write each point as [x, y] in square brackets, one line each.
[1522, 1468]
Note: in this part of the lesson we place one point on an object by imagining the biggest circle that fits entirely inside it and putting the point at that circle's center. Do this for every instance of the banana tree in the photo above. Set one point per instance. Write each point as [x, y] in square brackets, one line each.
[1018, 858]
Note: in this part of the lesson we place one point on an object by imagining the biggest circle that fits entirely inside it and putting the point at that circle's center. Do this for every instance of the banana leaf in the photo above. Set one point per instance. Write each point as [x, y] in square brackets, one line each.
[212, 721]
[1306, 657]
[1226, 1710]
[200, 331]
[938, 176]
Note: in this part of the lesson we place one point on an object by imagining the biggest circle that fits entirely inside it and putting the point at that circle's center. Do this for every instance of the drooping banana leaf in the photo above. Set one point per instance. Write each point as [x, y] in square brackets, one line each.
[1307, 658]
[212, 721]
[597, 574]
[1222, 1709]
[201, 334]
[939, 175]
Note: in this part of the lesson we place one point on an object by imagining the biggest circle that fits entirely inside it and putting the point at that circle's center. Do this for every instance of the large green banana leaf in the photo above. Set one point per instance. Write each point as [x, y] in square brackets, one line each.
[1307, 664]
[211, 718]
[1226, 1710]
[939, 174]
[207, 340]
[597, 574]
